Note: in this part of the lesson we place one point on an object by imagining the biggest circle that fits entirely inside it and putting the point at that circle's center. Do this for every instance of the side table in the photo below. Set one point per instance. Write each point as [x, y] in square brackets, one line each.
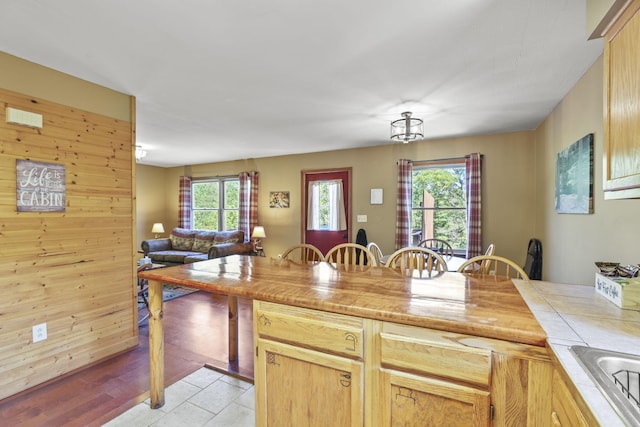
[257, 252]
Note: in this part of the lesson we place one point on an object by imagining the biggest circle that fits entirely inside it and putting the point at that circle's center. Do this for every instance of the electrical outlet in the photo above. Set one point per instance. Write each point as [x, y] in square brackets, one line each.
[39, 332]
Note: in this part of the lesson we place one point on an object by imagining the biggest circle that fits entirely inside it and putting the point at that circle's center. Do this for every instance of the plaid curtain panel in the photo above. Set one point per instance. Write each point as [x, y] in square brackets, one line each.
[403, 204]
[248, 202]
[473, 166]
[184, 202]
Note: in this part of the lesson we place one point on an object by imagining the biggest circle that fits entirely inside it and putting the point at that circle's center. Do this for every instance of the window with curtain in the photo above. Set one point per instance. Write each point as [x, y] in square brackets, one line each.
[439, 202]
[406, 228]
[215, 203]
[326, 208]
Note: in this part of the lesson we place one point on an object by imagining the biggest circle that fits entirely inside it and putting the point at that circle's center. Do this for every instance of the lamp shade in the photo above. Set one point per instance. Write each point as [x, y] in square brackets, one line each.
[258, 232]
[157, 228]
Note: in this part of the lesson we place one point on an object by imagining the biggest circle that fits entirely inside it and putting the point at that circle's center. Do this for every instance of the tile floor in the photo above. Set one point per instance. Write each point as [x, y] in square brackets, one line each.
[205, 398]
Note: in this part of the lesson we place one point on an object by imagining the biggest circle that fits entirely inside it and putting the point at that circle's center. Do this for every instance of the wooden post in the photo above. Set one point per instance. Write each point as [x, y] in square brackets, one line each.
[233, 328]
[156, 345]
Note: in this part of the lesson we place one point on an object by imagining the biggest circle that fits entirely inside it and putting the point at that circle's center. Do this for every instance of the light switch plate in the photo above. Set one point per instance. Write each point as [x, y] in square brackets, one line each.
[362, 218]
[376, 196]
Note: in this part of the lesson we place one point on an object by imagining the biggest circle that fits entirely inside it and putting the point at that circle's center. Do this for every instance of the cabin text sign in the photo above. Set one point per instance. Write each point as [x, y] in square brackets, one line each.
[40, 187]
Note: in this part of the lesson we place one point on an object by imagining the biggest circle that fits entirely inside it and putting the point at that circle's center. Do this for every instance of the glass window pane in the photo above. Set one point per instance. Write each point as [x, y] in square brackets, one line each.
[205, 219]
[230, 219]
[417, 230]
[451, 225]
[205, 195]
[442, 188]
[232, 194]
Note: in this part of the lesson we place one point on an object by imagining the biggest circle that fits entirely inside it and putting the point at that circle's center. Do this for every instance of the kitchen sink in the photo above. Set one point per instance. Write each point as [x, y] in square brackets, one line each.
[617, 375]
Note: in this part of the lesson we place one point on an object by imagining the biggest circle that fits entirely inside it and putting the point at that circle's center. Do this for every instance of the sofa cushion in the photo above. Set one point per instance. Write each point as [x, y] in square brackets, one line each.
[182, 239]
[173, 257]
[203, 240]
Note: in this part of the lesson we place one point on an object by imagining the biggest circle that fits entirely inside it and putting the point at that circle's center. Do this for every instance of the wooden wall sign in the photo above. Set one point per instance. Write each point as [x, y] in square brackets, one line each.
[40, 187]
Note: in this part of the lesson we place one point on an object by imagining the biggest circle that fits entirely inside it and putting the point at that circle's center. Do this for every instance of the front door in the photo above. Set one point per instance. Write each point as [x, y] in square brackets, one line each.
[319, 233]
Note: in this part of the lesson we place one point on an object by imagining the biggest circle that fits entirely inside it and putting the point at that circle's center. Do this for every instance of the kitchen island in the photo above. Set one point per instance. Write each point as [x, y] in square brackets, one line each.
[393, 342]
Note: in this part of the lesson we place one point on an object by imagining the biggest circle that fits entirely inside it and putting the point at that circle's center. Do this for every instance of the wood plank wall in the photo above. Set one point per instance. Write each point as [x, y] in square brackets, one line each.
[73, 270]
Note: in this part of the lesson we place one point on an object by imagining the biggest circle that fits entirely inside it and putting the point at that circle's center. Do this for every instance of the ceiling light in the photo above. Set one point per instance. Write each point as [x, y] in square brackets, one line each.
[140, 153]
[406, 129]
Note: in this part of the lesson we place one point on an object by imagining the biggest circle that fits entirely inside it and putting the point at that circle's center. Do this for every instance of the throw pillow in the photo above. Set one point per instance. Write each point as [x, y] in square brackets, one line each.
[202, 241]
[182, 239]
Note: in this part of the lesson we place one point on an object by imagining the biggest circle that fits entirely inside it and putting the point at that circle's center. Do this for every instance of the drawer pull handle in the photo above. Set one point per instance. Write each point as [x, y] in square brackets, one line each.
[406, 393]
[264, 320]
[345, 380]
[352, 340]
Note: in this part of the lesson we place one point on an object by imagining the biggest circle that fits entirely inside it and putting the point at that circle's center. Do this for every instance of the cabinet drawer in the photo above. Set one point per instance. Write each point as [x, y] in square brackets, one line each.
[448, 360]
[335, 333]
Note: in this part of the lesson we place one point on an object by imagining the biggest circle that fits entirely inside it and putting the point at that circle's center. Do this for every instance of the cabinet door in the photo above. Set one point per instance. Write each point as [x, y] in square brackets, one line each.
[621, 171]
[296, 386]
[566, 412]
[411, 400]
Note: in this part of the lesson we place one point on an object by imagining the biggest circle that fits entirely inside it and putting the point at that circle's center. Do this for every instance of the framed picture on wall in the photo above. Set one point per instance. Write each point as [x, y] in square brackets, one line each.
[278, 199]
[574, 177]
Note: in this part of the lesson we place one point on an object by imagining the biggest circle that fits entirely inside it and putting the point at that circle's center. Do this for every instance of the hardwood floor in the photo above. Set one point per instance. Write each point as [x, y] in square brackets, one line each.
[195, 335]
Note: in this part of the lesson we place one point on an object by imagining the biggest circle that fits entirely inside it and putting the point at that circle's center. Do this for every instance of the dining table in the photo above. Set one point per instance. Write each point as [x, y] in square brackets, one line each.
[487, 306]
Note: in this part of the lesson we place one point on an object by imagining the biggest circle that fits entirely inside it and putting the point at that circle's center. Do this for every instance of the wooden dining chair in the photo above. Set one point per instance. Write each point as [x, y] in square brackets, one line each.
[495, 266]
[415, 261]
[440, 246]
[350, 253]
[376, 251]
[485, 265]
[303, 252]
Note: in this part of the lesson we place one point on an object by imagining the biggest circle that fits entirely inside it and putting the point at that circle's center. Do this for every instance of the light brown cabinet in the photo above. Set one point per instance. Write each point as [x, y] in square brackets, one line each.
[412, 400]
[299, 384]
[621, 161]
[426, 380]
[308, 366]
[565, 409]
[318, 368]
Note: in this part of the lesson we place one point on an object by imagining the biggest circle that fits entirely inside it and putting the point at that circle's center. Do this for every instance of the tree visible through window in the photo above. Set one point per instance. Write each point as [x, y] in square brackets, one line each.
[215, 204]
[439, 203]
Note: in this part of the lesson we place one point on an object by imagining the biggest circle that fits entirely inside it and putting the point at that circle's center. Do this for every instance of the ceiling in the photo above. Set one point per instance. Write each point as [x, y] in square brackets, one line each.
[219, 80]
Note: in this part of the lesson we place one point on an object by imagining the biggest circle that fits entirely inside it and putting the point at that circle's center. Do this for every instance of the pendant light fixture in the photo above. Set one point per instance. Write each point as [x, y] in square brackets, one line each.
[407, 128]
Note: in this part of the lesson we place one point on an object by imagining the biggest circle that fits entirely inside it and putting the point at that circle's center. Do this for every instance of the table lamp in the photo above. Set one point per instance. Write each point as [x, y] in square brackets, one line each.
[157, 228]
[258, 233]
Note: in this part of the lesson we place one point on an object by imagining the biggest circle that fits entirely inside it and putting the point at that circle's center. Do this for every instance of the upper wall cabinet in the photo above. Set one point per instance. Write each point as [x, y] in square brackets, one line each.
[621, 169]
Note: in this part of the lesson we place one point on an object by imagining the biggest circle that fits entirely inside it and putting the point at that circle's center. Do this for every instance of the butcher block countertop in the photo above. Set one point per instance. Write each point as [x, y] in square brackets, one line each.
[483, 306]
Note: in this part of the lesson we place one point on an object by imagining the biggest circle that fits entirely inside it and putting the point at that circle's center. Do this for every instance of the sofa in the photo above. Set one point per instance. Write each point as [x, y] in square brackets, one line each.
[184, 246]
